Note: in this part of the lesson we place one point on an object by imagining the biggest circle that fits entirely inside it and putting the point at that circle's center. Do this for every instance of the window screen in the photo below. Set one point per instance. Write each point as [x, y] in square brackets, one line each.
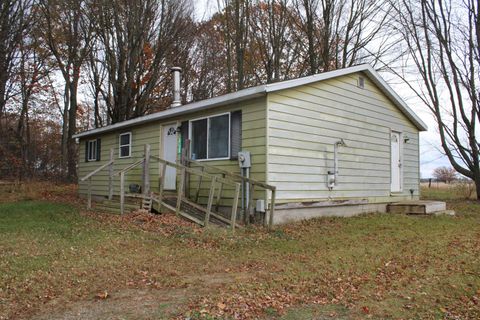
[125, 145]
[218, 136]
[199, 139]
[210, 137]
[92, 150]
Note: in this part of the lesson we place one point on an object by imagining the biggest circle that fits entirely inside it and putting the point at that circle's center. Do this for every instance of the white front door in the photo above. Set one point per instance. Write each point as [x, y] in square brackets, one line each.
[170, 154]
[396, 183]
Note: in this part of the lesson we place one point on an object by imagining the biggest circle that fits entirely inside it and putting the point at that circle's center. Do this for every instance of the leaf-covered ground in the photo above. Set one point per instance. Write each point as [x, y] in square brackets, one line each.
[59, 262]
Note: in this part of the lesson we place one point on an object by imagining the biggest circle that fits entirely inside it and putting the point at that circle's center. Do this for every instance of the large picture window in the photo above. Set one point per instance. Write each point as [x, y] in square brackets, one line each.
[210, 137]
[125, 146]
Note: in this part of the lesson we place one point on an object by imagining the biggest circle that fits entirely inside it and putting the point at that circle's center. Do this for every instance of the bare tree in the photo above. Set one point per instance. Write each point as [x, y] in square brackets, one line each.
[443, 39]
[342, 33]
[445, 174]
[136, 39]
[29, 79]
[211, 68]
[235, 20]
[14, 25]
[272, 53]
[68, 34]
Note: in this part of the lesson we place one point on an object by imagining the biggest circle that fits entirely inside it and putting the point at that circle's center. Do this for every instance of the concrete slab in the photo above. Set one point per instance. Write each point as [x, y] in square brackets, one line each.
[444, 213]
[417, 207]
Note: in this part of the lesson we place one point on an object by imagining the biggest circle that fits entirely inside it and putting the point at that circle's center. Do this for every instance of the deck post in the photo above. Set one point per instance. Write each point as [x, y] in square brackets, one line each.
[265, 217]
[110, 175]
[89, 202]
[250, 203]
[219, 194]
[187, 164]
[161, 185]
[146, 170]
[272, 209]
[122, 192]
[180, 191]
[233, 218]
[210, 200]
[197, 194]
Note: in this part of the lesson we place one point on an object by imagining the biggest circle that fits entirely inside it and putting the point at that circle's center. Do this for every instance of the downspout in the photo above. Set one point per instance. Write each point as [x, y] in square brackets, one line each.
[332, 176]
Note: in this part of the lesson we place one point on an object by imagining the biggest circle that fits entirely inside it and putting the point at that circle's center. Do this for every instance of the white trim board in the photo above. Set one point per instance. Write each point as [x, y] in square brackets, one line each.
[262, 90]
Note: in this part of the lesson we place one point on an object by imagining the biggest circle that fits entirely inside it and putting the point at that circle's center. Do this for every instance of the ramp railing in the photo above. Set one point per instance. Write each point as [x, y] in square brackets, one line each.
[252, 184]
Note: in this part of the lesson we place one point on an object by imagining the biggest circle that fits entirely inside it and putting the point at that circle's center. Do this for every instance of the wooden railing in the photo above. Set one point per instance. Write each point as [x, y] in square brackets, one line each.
[214, 195]
[214, 180]
[252, 184]
[89, 176]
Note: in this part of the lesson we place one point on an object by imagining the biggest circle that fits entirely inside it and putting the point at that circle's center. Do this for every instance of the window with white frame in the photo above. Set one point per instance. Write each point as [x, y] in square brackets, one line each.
[92, 150]
[210, 137]
[125, 145]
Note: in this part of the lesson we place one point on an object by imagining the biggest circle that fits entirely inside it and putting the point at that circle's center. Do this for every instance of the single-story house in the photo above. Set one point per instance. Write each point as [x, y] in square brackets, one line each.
[337, 143]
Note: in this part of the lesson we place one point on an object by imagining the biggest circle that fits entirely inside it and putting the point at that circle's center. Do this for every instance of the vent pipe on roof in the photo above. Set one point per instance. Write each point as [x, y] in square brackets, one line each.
[176, 71]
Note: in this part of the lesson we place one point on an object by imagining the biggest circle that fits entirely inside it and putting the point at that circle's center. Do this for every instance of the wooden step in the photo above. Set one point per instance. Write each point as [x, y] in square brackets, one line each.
[147, 204]
[417, 207]
[113, 209]
[114, 206]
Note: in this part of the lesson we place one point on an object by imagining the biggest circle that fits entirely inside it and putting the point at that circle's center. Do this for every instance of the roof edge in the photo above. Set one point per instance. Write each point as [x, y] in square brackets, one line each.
[249, 93]
[254, 92]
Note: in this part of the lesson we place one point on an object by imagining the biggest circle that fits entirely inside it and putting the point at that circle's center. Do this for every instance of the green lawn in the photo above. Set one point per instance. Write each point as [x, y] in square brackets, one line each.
[54, 260]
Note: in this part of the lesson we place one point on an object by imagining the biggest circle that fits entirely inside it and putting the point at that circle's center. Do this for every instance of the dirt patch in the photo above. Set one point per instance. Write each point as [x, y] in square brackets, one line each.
[146, 303]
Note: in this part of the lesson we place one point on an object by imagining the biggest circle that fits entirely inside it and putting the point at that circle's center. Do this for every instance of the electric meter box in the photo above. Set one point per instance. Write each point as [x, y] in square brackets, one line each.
[244, 159]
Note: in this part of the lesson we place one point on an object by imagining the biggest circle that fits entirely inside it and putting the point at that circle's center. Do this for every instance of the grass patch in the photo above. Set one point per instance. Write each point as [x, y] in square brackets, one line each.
[55, 258]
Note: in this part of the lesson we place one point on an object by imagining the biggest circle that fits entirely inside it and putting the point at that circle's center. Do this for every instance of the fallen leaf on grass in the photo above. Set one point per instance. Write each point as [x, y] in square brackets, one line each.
[102, 295]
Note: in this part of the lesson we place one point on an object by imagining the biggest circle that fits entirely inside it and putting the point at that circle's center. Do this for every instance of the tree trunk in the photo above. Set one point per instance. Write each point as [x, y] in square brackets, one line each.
[312, 55]
[72, 127]
[477, 184]
[66, 104]
[2, 96]
[239, 51]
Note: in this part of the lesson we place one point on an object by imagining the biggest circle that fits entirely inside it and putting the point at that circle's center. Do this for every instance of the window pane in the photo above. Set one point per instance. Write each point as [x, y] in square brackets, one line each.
[92, 150]
[218, 137]
[124, 151]
[199, 139]
[124, 139]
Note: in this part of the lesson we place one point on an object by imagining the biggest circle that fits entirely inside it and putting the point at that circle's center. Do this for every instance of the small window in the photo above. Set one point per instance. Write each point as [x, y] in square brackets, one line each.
[125, 145]
[361, 82]
[92, 150]
[210, 137]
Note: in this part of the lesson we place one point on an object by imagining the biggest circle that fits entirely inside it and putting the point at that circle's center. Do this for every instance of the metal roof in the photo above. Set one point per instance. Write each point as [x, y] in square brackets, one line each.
[260, 91]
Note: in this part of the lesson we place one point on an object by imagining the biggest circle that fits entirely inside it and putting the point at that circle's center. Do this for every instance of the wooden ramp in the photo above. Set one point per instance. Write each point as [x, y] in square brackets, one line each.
[196, 213]
[419, 207]
[215, 179]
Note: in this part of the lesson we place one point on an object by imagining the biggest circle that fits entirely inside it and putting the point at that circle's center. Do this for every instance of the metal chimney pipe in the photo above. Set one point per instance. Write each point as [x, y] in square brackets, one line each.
[176, 87]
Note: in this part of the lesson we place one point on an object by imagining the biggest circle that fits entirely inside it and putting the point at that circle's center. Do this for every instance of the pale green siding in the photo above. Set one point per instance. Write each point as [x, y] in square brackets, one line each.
[305, 122]
[147, 133]
[290, 134]
[253, 140]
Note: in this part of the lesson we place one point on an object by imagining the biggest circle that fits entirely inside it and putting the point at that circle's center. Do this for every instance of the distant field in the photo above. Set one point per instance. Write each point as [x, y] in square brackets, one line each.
[58, 261]
[452, 191]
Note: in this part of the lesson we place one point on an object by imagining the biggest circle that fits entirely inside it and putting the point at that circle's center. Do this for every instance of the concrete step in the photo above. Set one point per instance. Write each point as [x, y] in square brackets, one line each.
[444, 213]
[417, 207]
